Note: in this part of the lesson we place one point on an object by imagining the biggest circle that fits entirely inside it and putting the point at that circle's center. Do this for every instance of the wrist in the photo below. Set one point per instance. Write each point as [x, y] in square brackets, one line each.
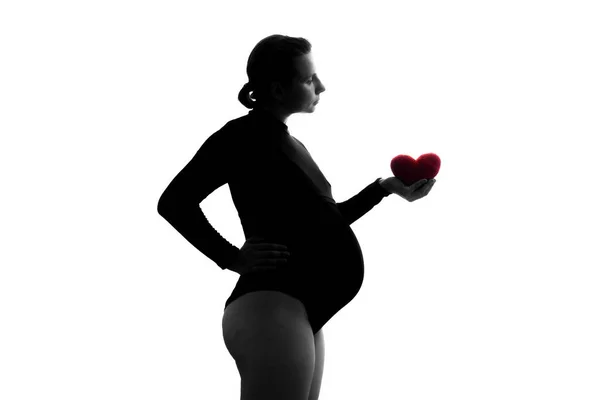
[382, 184]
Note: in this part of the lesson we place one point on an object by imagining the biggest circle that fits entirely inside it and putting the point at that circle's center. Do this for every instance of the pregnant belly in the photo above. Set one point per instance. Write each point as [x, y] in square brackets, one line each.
[329, 257]
[325, 271]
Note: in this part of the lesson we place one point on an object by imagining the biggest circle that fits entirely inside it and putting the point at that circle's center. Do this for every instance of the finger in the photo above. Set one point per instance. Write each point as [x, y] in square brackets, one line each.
[276, 254]
[419, 192]
[424, 191]
[263, 268]
[431, 183]
[418, 184]
[270, 259]
[269, 263]
[266, 256]
[270, 246]
[428, 182]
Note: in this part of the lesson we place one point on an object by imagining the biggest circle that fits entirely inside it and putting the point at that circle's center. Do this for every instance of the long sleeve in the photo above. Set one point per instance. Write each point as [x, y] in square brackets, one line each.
[361, 203]
[179, 204]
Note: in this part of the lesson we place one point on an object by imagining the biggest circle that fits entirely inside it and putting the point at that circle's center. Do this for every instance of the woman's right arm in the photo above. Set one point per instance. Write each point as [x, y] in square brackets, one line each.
[180, 202]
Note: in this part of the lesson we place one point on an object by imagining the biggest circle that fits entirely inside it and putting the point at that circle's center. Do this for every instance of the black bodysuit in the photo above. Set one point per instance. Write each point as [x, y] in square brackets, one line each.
[281, 195]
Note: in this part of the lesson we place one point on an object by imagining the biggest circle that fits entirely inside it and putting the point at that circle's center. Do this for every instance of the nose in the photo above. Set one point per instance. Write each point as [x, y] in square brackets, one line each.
[321, 87]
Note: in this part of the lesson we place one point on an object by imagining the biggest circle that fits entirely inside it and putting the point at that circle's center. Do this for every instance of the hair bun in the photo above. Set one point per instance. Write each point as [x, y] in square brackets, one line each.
[249, 89]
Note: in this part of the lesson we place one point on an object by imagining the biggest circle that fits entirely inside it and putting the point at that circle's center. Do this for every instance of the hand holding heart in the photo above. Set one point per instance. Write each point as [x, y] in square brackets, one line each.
[413, 179]
[410, 193]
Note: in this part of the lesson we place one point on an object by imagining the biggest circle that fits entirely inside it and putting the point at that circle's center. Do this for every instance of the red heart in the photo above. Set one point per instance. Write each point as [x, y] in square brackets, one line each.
[410, 171]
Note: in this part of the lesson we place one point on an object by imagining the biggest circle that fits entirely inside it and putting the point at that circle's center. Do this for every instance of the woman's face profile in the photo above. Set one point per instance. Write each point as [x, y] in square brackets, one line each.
[305, 88]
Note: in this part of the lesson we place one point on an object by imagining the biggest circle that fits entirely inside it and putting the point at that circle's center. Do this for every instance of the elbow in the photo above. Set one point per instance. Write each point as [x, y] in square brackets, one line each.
[169, 208]
[160, 209]
[164, 206]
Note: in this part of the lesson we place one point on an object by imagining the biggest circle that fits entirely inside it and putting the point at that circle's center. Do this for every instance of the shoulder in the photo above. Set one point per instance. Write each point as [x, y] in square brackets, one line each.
[231, 134]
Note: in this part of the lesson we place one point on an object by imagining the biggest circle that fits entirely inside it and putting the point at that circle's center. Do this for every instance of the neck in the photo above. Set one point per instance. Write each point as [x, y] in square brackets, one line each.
[277, 112]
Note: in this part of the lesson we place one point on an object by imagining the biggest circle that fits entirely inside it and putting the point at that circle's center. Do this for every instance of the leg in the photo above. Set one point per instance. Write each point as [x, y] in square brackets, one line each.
[319, 363]
[268, 335]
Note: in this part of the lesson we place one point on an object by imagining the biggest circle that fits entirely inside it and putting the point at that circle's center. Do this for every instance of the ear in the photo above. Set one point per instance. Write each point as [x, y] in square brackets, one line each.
[277, 91]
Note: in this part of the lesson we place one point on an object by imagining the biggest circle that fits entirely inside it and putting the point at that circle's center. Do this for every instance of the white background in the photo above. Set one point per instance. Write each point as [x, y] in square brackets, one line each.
[485, 289]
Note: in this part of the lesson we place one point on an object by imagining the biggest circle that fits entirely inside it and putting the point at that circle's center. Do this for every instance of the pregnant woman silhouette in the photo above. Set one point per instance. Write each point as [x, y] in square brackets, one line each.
[301, 262]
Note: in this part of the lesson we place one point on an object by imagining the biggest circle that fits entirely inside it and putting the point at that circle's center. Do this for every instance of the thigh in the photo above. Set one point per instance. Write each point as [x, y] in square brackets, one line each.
[315, 387]
[268, 335]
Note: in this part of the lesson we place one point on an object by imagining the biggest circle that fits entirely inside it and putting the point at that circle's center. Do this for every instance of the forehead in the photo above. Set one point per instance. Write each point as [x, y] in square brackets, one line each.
[305, 65]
